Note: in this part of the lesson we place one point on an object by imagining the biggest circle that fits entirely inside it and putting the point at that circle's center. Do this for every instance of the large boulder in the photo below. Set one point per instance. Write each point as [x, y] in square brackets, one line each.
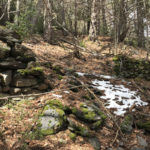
[90, 114]
[53, 118]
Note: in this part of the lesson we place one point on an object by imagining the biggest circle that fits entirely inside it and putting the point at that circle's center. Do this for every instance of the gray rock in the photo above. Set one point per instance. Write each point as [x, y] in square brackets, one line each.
[18, 50]
[138, 148]
[95, 143]
[15, 90]
[43, 87]
[4, 51]
[24, 82]
[142, 141]
[52, 120]
[12, 65]
[6, 77]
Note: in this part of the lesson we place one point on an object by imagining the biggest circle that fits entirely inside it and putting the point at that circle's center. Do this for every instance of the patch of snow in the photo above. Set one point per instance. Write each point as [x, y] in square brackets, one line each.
[118, 96]
[97, 75]
[58, 96]
[80, 74]
[67, 92]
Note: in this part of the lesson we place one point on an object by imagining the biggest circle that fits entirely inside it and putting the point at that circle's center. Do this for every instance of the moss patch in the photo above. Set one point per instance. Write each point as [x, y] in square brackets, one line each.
[127, 123]
[144, 125]
[32, 71]
[72, 136]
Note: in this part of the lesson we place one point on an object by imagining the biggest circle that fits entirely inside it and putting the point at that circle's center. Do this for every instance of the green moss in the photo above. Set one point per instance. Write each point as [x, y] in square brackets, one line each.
[56, 103]
[60, 77]
[74, 110]
[33, 70]
[115, 58]
[144, 125]
[83, 131]
[126, 125]
[97, 124]
[47, 132]
[60, 112]
[72, 136]
[57, 69]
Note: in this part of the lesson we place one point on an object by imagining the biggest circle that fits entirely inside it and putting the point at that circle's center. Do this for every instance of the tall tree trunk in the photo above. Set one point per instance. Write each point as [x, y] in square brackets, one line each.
[140, 23]
[122, 26]
[93, 31]
[48, 21]
[8, 9]
[17, 12]
[34, 20]
[75, 20]
[103, 3]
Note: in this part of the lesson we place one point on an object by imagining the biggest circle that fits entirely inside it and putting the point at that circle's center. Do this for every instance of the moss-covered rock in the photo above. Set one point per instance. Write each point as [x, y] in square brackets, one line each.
[77, 127]
[127, 124]
[53, 118]
[89, 113]
[131, 68]
[36, 71]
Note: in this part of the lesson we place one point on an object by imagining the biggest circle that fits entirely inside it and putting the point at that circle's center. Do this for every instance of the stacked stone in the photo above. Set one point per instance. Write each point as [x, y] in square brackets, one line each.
[18, 70]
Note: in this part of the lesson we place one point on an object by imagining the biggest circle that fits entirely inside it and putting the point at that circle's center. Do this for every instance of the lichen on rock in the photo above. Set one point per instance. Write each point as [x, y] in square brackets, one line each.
[90, 114]
[53, 118]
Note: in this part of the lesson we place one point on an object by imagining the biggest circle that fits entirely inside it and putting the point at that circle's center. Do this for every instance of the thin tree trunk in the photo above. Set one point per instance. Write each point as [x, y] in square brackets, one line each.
[47, 21]
[93, 31]
[17, 12]
[8, 9]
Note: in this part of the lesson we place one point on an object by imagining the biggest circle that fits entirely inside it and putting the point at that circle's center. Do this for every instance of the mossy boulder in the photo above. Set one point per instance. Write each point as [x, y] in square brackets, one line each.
[90, 114]
[78, 127]
[127, 123]
[53, 118]
[131, 68]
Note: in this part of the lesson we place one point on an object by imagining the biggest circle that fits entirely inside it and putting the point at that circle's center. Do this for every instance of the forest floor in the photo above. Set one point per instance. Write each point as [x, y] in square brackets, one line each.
[18, 119]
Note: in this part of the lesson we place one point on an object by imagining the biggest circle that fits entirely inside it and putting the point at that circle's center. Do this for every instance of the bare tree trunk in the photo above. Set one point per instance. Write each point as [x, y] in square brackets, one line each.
[48, 21]
[17, 12]
[34, 20]
[140, 23]
[8, 9]
[122, 26]
[93, 31]
[103, 3]
[75, 20]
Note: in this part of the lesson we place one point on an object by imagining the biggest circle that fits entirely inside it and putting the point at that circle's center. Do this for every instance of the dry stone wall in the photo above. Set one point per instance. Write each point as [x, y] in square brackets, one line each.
[19, 72]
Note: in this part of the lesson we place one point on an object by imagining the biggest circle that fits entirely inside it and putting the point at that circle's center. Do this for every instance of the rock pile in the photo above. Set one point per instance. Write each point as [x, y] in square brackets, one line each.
[19, 73]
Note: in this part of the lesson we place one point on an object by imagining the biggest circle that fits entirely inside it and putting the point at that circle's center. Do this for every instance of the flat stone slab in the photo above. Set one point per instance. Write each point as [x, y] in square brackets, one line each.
[23, 82]
[12, 65]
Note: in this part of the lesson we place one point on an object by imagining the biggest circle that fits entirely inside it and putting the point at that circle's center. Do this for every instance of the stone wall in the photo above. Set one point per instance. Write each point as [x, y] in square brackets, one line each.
[19, 72]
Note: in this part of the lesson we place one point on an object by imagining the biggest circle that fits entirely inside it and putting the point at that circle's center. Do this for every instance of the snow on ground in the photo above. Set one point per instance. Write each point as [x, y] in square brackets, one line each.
[116, 96]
